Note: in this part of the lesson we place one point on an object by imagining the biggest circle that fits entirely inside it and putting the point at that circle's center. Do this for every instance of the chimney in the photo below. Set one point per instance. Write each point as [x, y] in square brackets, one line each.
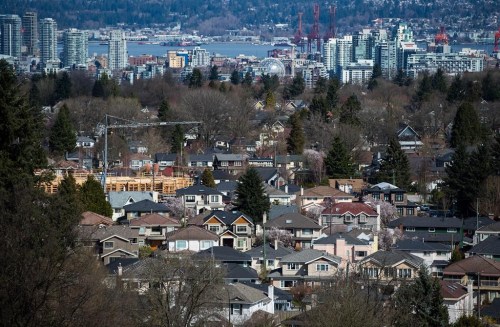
[120, 269]
[286, 189]
[276, 244]
[470, 297]
[301, 191]
[270, 294]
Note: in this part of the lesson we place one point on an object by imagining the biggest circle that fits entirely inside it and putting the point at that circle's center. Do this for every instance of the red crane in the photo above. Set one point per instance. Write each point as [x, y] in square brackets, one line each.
[298, 38]
[330, 34]
[314, 34]
[497, 41]
[441, 37]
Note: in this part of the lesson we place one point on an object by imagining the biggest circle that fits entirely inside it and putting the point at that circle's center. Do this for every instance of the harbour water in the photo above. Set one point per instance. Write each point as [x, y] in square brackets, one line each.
[231, 49]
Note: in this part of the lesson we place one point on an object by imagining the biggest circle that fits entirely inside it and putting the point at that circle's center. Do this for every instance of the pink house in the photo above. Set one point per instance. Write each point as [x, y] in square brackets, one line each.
[349, 248]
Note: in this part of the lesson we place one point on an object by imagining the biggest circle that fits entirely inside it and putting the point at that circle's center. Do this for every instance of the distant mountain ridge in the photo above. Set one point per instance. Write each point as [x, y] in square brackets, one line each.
[216, 16]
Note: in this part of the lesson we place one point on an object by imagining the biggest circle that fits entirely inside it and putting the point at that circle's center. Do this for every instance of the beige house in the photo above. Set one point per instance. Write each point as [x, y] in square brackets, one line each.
[350, 249]
[390, 266]
[321, 195]
[303, 230]
[234, 228]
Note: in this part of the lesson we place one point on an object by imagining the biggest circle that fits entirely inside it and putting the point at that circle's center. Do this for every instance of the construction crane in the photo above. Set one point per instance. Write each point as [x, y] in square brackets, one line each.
[299, 36]
[104, 127]
[441, 37]
[330, 34]
[314, 33]
[497, 41]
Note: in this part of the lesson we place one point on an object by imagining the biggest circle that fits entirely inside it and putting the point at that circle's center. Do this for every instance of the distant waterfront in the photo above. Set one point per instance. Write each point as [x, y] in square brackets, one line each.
[231, 49]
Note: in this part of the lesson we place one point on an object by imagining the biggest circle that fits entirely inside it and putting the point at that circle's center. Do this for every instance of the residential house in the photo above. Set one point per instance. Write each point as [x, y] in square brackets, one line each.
[272, 253]
[225, 255]
[278, 210]
[348, 185]
[473, 224]
[236, 273]
[321, 195]
[350, 249]
[270, 176]
[200, 161]
[85, 142]
[457, 298]
[118, 200]
[304, 267]
[489, 248]
[390, 266]
[486, 231]
[408, 139]
[235, 229]
[270, 134]
[222, 176]
[356, 215]
[138, 161]
[90, 218]
[277, 196]
[430, 229]
[289, 164]
[144, 207]
[232, 163]
[436, 256]
[153, 228]
[394, 195]
[282, 299]
[243, 301]
[137, 147]
[261, 162]
[228, 189]
[82, 157]
[304, 230]
[191, 238]
[201, 198]
[483, 272]
[110, 242]
[165, 160]
[243, 145]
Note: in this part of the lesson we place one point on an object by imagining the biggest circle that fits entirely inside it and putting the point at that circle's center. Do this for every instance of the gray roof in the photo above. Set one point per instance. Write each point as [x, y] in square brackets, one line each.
[418, 245]
[227, 186]
[223, 175]
[237, 271]
[279, 294]
[437, 237]
[266, 173]
[228, 217]
[224, 254]
[309, 255]
[271, 252]
[289, 158]
[495, 227]
[201, 157]
[119, 199]
[146, 206]
[229, 157]
[272, 191]
[390, 258]
[165, 156]
[436, 222]
[333, 238]
[278, 210]
[100, 233]
[292, 220]
[197, 190]
[490, 246]
[470, 223]
[241, 293]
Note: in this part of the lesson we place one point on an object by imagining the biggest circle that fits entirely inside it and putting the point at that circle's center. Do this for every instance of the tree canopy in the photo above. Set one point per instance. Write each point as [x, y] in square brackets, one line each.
[395, 167]
[207, 178]
[93, 198]
[466, 128]
[62, 134]
[338, 161]
[296, 139]
[250, 196]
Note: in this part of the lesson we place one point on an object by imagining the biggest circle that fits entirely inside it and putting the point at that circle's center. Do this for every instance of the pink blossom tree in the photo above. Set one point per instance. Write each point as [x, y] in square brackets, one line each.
[388, 211]
[315, 160]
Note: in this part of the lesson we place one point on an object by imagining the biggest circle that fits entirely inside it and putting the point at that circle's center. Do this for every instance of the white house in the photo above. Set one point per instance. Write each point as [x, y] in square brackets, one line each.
[243, 301]
[201, 198]
[192, 238]
[458, 299]
[436, 255]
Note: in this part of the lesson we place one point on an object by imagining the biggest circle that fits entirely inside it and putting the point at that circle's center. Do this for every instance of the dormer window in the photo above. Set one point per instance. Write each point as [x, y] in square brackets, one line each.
[288, 221]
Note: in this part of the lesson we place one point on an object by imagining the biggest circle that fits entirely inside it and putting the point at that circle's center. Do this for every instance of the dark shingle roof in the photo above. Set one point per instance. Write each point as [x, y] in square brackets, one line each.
[389, 258]
[271, 252]
[124, 262]
[495, 227]
[437, 237]
[192, 232]
[436, 222]
[292, 220]
[309, 255]
[237, 271]
[470, 223]
[474, 264]
[490, 246]
[227, 186]
[418, 245]
[165, 156]
[278, 210]
[224, 253]
[146, 206]
[222, 175]
[228, 217]
[279, 294]
[197, 190]
[266, 173]
[333, 238]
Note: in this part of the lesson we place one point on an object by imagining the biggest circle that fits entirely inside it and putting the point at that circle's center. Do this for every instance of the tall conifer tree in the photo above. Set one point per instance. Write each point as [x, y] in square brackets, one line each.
[251, 198]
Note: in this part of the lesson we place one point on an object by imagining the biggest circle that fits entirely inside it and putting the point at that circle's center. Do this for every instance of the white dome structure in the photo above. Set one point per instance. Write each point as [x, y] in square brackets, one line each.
[273, 66]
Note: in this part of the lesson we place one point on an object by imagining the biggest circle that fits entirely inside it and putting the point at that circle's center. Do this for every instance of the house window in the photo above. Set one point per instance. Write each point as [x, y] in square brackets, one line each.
[270, 263]
[348, 217]
[242, 243]
[410, 211]
[117, 210]
[293, 266]
[400, 211]
[451, 230]
[236, 309]
[109, 245]
[190, 198]
[399, 197]
[181, 245]
[426, 254]
[432, 229]
[371, 272]
[387, 197]
[224, 163]
[360, 253]
[214, 198]
[307, 231]
[133, 240]
[142, 230]
[214, 229]
[410, 229]
[156, 230]
[322, 267]
[404, 273]
[362, 218]
[376, 196]
[237, 163]
[241, 229]
[206, 244]
[288, 283]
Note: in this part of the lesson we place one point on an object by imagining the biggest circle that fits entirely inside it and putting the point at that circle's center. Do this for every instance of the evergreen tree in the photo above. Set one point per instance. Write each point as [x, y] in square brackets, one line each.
[98, 89]
[350, 110]
[319, 105]
[466, 128]
[250, 196]
[270, 100]
[456, 92]
[399, 79]
[332, 97]
[63, 87]
[424, 88]
[420, 303]
[93, 198]
[21, 130]
[491, 88]
[62, 134]
[296, 88]
[196, 79]
[456, 255]
[296, 139]
[207, 178]
[395, 168]
[164, 111]
[177, 140]
[377, 71]
[68, 192]
[222, 87]
[235, 77]
[321, 85]
[338, 161]
[247, 80]
[495, 155]
[439, 81]
[214, 73]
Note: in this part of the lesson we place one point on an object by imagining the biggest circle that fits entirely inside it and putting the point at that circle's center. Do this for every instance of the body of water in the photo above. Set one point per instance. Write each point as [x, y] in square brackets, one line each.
[231, 49]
